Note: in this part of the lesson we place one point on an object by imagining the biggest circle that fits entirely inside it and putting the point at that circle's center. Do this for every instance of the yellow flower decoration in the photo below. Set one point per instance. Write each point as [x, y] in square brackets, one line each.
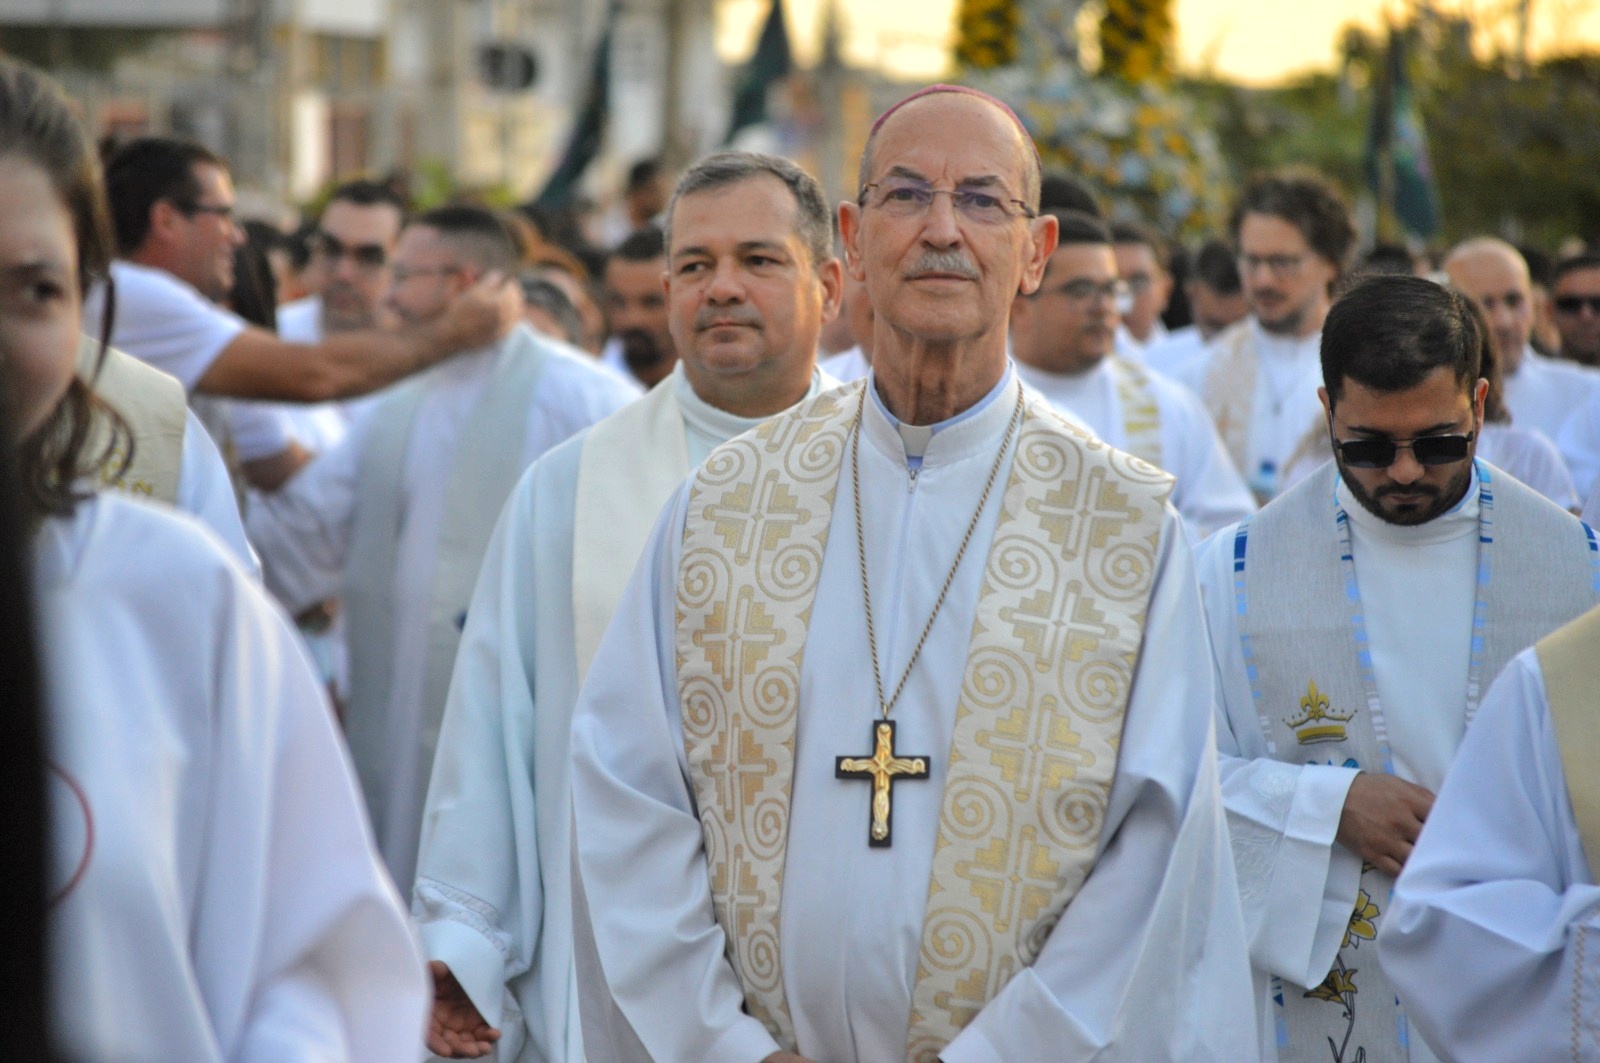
[1361, 921]
[1335, 986]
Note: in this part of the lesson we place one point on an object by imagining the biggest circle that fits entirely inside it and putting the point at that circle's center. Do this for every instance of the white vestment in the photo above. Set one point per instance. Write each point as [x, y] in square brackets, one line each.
[216, 893]
[1209, 493]
[1120, 976]
[1497, 914]
[493, 895]
[1261, 389]
[1417, 587]
[846, 365]
[1178, 347]
[304, 533]
[1544, 392]
[1578, 437]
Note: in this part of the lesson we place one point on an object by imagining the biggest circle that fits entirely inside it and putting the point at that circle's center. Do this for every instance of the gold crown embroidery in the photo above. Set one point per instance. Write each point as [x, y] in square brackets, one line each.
[1318, 722]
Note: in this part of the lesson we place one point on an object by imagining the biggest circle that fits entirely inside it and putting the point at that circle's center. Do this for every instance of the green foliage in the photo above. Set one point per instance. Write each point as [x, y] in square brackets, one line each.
[1518, 155]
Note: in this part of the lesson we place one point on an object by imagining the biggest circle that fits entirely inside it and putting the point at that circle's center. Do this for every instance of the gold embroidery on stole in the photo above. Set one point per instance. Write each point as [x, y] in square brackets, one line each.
[1056, 634]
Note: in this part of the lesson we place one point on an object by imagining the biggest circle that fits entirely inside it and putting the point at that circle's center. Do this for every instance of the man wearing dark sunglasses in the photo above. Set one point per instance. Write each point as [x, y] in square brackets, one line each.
[1356, 621]
[1575, 298]
[350, 251]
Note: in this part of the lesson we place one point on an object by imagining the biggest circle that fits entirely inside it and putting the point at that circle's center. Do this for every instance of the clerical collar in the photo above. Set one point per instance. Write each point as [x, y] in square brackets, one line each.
[717, 423]
[1459, 520]
[957, 437]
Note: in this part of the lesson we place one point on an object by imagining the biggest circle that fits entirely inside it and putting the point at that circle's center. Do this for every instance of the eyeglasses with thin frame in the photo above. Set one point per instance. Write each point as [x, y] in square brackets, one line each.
[1279, 266]
[1082, 290]
[221, 210]
[1427, 450]
[1574, 304]
[367, 257]
[401, 274]
[903, 197]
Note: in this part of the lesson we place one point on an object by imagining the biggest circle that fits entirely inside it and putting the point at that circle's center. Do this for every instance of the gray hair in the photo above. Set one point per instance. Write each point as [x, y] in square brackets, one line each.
[813, 219]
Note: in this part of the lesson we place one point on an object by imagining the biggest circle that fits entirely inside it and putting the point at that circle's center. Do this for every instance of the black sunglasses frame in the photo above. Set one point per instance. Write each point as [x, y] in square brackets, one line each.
[1427, 450]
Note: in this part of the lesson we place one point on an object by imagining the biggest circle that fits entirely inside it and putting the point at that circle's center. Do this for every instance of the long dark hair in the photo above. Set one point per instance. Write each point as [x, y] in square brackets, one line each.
[37, 124]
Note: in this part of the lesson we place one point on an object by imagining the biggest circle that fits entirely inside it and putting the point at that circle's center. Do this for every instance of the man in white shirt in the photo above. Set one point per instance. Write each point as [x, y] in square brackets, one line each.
[1294, 236]
[396, 518]
[1355, 622]
[1022, 858]
[1491, 940]
[1062, 337]
[750, 241]
[350, 251]
[172, 210]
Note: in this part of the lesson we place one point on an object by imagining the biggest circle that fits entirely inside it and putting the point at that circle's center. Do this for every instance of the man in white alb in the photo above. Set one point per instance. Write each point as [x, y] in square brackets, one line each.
[1294, 237]
[1062, 337]
[395, 520]
[1492, 939]
[751, 279]
[1144, 263]
[869, 764]
[1356, 621]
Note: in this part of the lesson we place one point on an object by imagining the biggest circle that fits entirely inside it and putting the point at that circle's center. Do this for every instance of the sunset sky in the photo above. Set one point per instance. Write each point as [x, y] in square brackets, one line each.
[1247, 40]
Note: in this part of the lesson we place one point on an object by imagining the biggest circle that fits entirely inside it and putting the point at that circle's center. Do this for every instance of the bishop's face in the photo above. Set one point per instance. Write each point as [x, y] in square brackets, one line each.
[939, 276]
[1407, 492]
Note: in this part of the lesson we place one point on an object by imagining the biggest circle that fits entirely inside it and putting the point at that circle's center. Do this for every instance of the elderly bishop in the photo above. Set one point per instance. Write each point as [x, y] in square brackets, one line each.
[873, 762]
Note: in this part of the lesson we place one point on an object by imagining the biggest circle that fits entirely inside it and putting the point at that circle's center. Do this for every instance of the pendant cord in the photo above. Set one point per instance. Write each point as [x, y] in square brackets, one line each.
[887, 705]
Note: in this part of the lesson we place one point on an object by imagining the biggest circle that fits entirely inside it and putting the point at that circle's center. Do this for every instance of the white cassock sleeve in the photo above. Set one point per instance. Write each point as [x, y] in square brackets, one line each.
[487, 836]
[1298, 886]
[1496, 908]
[1148, 962]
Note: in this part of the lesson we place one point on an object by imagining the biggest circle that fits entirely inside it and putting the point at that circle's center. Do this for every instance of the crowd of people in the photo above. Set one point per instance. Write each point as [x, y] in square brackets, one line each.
[452, 633]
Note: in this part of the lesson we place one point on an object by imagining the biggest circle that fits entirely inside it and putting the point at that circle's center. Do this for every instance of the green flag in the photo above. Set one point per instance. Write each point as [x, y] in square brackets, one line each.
[1398, 170]
[583, 146]
[769, 64]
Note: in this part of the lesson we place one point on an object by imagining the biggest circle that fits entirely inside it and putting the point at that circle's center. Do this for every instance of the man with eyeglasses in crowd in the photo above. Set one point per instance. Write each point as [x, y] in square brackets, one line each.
[172, 209]
[1356, 621]
[1062, 337]
[395, 520]
[1023, 857]
[1293, 236]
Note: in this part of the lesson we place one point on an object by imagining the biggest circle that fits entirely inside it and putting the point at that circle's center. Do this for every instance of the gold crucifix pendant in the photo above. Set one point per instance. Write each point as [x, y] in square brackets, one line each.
[883, 767]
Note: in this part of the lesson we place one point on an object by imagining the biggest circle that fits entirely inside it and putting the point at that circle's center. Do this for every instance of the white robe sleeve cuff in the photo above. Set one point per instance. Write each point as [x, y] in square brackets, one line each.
[1297, 884]
[475, 962]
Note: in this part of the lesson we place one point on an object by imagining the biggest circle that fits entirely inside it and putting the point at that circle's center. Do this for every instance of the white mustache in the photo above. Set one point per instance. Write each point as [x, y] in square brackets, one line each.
[945, 262]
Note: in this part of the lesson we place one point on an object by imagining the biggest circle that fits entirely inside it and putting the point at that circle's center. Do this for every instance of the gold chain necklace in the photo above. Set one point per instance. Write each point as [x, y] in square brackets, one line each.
[884, 765]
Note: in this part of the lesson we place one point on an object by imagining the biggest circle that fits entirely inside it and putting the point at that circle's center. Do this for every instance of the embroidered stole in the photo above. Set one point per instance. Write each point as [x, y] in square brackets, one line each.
[1567, 660]
[1299, 643]
[1037, 724]
[1141, 416]
[631, 463]
[155, 408]
[489, 460]
[1229, 390]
